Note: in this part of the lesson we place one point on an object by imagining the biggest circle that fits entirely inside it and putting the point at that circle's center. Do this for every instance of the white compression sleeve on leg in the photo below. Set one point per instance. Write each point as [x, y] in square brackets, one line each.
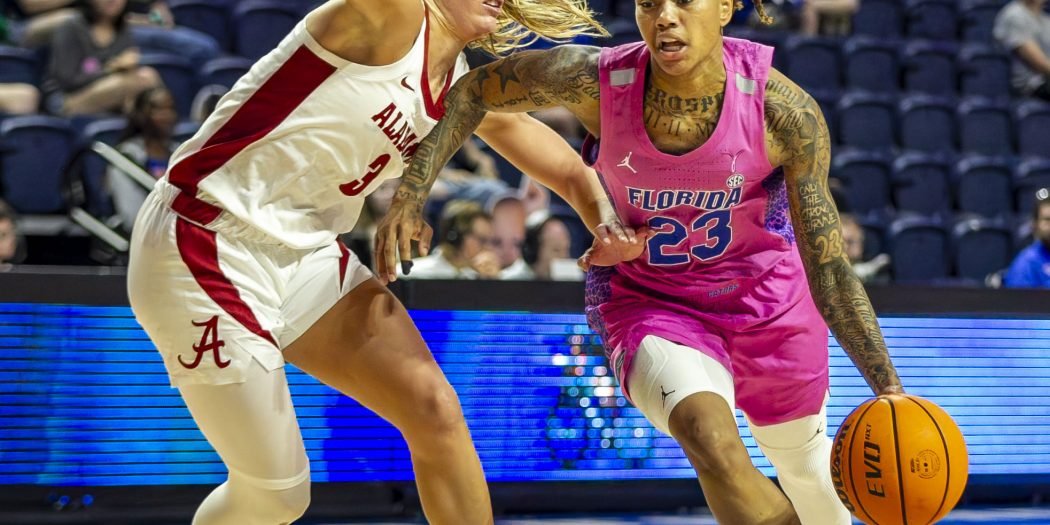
[800, 450]
[252, 425]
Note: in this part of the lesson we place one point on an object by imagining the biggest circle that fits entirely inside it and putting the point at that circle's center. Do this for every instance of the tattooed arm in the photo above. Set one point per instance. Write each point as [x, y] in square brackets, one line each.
[797, 139]
[526, 81]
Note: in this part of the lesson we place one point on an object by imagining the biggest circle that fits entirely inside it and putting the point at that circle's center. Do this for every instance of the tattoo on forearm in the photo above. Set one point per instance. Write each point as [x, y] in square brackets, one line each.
[521, 82]
[800, 138]
[463, 114]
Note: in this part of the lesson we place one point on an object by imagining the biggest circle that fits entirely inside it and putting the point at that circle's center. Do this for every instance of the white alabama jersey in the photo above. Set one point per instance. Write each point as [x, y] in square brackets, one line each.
[299, 141]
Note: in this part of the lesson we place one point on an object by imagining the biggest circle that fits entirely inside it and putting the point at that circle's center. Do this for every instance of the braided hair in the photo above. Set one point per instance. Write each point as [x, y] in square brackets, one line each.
[759, 8]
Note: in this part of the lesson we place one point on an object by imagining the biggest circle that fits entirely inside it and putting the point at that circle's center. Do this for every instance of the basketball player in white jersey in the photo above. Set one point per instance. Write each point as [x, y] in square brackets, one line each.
[235, 267]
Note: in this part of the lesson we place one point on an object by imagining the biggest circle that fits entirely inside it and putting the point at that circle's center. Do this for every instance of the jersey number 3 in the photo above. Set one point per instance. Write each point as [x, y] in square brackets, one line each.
[354, 188]
[662, 246]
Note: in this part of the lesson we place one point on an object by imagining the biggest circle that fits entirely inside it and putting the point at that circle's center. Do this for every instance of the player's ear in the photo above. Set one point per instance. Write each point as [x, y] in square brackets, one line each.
[726, 8]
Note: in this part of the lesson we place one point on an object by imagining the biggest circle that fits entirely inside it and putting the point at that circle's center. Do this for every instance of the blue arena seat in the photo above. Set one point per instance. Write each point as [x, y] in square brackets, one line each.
[984, 70]
[814, 62]
[984, 186]
[179, 76]
[206, 16]
[1033, 128]
[933, 19]
[871, 64]
[1031, 175]
[977, 17]
[922, 183]
[18, 65]
[224, 71]
[35, 150]
[927, 123]
[981, 246]
[97, 199]
[865, 177]
[261, 25]
[867, 120]
[874, 226]
[929, 67]
[985, 127]
[880, 18]
[919, 249]
[827, 100]
[622, 31]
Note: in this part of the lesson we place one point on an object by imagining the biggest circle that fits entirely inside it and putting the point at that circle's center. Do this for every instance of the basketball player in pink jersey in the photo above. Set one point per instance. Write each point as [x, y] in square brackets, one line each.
[235, 267]
[720, 163]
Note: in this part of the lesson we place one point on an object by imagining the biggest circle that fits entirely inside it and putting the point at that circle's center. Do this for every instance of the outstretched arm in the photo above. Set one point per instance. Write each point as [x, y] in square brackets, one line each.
[798, 141]
[527, 81]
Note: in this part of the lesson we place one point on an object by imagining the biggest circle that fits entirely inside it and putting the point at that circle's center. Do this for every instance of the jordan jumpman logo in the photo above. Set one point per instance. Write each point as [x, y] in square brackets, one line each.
[626, 162]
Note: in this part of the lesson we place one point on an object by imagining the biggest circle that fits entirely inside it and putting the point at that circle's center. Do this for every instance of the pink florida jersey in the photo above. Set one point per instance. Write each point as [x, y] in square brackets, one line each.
[292, 150]
[720, 213]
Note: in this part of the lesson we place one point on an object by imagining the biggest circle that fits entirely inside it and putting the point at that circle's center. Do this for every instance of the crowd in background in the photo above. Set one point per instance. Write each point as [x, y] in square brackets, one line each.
[492, 222]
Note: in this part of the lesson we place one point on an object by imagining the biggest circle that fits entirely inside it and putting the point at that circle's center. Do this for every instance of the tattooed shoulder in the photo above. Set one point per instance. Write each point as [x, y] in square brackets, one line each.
[795, 126]
[529, 80]
[571, 74]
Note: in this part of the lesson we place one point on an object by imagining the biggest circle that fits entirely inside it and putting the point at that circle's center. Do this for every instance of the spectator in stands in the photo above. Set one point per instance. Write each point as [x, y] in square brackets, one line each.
[94, 62]
[465, 249]
[827, 17]
[508, 233]
[32, 23]
[874, 271]
[18, 98]
[472, 175]
[546, 250]
[1031, 267]
[9, 237]
[153, 27]
[147, 141]
[1024, 29]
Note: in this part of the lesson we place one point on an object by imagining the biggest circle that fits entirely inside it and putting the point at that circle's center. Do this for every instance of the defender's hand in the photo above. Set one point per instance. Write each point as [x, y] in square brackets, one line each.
[402, 224]
[612, 249]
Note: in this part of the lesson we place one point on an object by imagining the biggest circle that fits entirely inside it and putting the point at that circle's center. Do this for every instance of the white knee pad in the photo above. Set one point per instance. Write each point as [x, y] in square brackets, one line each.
[664, 373]
[800, 451]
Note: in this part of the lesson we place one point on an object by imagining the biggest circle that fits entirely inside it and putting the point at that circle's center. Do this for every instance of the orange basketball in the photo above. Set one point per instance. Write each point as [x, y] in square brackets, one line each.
[899, 460]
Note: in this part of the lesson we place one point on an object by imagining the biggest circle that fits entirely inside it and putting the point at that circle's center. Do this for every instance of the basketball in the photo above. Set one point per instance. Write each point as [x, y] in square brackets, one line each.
[899, 460]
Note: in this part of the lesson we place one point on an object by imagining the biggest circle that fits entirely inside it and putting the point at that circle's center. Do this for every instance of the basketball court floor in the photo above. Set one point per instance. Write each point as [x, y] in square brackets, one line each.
[989, 516]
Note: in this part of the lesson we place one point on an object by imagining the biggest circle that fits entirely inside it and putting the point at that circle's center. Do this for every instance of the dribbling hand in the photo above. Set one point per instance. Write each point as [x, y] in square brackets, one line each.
[402, 224]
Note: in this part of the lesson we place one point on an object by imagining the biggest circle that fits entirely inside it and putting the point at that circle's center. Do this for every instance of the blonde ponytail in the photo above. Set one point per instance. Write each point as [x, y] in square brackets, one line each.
[526, 21]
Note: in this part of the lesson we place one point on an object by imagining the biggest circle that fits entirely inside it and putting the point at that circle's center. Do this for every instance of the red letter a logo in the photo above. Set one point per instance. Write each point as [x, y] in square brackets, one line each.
[209, 341]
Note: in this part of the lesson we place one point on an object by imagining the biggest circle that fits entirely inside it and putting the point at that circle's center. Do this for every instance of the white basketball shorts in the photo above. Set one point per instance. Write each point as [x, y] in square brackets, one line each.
[212, 302]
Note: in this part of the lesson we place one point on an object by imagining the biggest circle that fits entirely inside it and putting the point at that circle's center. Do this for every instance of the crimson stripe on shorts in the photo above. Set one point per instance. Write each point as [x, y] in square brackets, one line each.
[344, 260]
[200, 251]
[264, 110]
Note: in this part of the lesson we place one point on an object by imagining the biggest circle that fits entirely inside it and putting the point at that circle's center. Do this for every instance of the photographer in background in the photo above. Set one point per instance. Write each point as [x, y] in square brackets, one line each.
[465, 249]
